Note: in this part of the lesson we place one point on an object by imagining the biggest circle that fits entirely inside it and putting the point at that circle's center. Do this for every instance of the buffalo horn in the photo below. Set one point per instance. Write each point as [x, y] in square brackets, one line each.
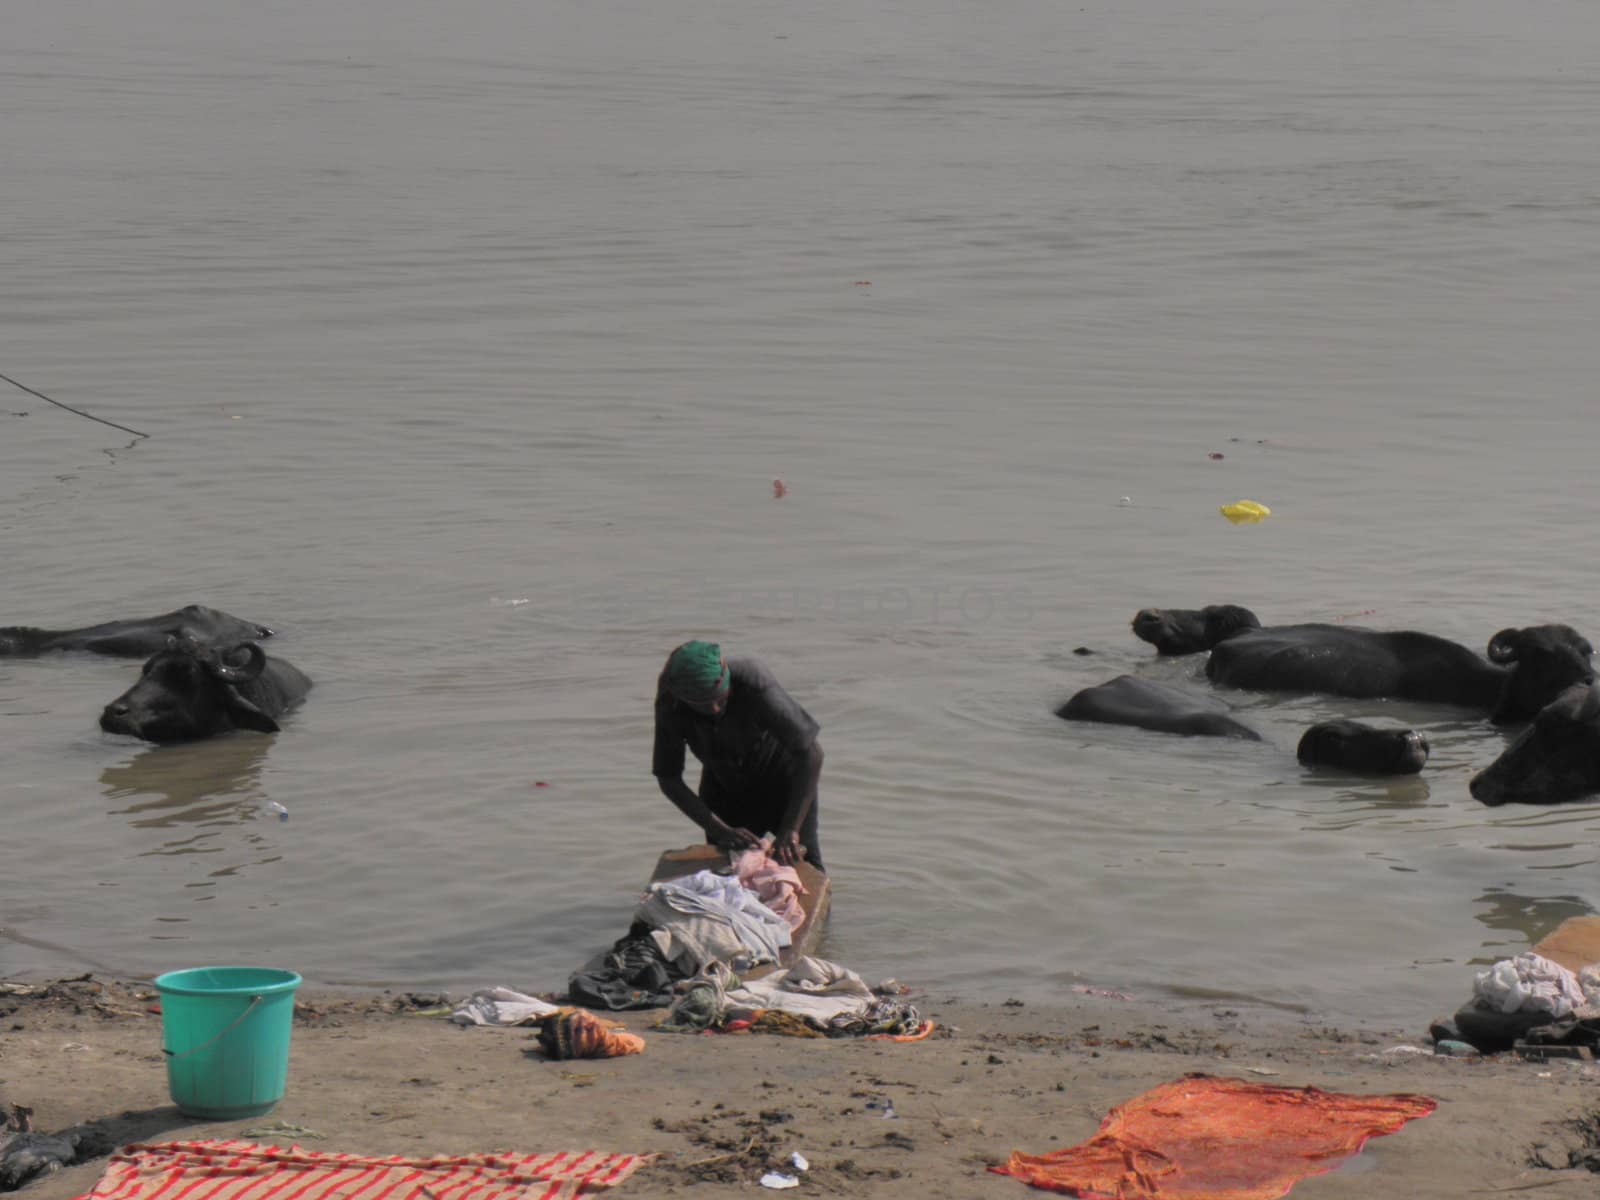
[1503, 646]
[253, 667]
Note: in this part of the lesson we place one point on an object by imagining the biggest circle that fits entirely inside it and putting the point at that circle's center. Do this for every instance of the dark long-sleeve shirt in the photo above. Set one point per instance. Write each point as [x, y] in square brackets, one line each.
[760, 739]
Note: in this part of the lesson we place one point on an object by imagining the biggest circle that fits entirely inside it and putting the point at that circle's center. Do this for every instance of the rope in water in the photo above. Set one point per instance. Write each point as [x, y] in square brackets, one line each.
[70, 409]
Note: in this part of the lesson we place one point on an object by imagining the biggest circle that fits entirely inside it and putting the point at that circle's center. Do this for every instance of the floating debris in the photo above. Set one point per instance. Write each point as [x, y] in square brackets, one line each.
[1245, 512]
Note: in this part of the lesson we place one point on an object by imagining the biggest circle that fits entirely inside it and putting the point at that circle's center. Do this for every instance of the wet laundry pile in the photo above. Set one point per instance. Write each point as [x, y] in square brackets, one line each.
[709, 917]
[710, 947]
[813, 998]
[634, 973]
[1528, 1002]
[742, 918]
[1205, 1137]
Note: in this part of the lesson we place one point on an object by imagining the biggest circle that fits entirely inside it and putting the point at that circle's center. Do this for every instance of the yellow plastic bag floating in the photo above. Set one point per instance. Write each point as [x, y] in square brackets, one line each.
[1245, 512]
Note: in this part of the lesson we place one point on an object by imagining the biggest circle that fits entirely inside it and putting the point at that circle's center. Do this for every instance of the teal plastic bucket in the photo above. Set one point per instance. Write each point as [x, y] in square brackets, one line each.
[226, 1038]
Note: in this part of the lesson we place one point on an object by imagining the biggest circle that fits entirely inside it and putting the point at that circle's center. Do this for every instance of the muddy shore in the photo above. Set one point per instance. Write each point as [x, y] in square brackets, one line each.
[387, 1074]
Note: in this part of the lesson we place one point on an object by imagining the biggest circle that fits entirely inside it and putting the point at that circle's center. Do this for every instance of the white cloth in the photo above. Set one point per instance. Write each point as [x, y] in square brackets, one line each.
[813, 987]
[1589, 981]
[500, 1006]
[713, 918]
[1528, 983]
[696, 943]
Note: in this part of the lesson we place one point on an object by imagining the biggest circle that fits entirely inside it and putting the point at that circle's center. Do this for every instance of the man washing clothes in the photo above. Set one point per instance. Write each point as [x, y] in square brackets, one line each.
[757, 748]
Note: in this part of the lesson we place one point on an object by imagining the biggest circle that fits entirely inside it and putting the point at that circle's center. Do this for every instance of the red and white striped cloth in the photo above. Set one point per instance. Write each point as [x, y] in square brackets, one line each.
[224, 1170]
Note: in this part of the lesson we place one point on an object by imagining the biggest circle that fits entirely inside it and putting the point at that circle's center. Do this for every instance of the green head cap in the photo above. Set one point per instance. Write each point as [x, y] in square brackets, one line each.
[696, 673]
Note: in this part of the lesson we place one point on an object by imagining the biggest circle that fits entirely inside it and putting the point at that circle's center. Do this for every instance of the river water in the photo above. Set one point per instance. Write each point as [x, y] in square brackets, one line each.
[469, 340]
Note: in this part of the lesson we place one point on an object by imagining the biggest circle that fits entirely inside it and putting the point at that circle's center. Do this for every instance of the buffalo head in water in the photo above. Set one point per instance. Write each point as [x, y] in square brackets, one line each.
[191, 690]
[1363, 749]
[1191, 630]
[1541, 662]
[1556, 758]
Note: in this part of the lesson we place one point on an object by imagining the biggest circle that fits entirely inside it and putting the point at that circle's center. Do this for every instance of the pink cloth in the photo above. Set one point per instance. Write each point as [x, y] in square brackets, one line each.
[778, 886]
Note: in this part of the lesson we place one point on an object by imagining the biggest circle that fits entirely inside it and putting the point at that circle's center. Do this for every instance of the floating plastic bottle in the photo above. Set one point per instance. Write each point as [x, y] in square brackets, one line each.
[1245, 512]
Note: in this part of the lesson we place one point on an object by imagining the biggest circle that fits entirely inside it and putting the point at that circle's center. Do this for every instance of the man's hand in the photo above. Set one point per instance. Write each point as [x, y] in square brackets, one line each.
[735, 836]
[786, 849]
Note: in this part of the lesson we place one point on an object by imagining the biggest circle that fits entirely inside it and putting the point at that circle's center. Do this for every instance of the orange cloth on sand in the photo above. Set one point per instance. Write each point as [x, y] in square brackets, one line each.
[578, 1033]
[917, 1035]
[1203, 1137]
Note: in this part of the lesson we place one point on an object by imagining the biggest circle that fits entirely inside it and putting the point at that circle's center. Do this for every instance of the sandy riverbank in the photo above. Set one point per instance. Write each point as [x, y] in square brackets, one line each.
[372, 1077]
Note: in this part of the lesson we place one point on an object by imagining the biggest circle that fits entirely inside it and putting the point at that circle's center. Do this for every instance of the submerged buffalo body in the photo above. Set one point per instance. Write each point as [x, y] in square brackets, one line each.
[189, 691]
[1363, 749]
[136, 638]
[1527, 668]
[1555, 758]
[1345, 660]
[1129, 700]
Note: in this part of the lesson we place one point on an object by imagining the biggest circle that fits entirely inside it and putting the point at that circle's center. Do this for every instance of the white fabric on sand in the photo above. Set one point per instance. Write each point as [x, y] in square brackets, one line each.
[813, 987]
[1528, 983]
[500, 1006]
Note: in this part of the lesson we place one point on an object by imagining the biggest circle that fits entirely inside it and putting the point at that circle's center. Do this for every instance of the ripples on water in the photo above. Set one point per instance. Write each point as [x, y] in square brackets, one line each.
[425, 315]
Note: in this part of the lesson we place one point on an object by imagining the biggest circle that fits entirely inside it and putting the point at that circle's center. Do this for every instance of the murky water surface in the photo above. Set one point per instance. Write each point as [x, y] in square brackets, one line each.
[470, 338]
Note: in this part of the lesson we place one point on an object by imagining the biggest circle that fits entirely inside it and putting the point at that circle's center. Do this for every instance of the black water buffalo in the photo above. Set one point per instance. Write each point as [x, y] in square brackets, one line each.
[1555, 758]
[1129, 700]
[137, 638]
[1347, 660]
[1363, 749]
[1529, 667]
[1191, 630]
[189, 691]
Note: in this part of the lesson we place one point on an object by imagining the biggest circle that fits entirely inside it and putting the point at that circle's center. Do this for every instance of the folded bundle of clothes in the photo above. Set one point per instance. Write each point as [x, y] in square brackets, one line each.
[813, 998]
[577, 1033]
[1527, 1000]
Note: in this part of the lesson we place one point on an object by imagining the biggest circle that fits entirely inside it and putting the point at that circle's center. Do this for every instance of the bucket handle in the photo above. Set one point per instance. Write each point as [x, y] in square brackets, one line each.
[238, 1021]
